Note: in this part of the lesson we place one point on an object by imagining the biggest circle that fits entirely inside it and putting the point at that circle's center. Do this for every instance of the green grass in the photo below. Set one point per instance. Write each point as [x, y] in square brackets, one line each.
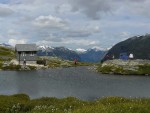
[53, 62]
[11, 67]
[144, 69]
[107, 69]
[21, 103]
[6, 54]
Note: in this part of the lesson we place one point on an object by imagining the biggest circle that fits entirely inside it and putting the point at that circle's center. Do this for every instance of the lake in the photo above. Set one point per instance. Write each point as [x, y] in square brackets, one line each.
[75, 81]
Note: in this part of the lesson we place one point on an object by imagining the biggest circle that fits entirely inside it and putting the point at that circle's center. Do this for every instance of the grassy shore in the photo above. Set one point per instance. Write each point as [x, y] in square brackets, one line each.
[21, 103]
[54, 62]
[128, 67]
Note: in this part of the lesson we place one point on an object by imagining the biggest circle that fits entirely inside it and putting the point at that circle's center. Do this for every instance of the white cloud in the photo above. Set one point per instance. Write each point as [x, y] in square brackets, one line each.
[82, 31]
[99, 8]
[97, 48]
[12, 32]
[66, 20]
[5, 11]
[13, 42]
[50, 22]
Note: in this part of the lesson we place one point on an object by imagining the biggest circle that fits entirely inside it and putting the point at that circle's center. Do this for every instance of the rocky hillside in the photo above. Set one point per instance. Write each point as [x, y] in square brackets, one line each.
[138, 45]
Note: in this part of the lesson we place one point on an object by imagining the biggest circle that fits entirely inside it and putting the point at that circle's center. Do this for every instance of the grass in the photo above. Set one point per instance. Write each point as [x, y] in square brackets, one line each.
[114, 69]
[53, 62]
[6, 54]
[11, 67]
[21, 103]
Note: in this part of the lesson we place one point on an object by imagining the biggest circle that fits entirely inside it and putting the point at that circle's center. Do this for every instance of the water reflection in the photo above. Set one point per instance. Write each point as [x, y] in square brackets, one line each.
[26, 82]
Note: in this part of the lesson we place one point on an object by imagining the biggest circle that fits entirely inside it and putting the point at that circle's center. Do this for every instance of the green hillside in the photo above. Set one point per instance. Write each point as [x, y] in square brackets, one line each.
[6, 54]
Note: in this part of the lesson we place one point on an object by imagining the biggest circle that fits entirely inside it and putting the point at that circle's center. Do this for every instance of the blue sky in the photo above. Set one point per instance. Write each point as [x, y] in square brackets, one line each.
[73, 23]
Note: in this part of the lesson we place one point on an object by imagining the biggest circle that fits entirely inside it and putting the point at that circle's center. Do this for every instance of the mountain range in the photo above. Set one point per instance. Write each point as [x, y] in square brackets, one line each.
[139, 46]
[90, 55]
[60, 52]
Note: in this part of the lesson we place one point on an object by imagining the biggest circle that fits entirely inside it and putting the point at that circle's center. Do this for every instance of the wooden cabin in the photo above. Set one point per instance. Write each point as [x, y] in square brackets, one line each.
[26, 53]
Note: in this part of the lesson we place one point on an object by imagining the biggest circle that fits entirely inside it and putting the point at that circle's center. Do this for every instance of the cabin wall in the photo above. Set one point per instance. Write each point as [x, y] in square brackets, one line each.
[28, 56]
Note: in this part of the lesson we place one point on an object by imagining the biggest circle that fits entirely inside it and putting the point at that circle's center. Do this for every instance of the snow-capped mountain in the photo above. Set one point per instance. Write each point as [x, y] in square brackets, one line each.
[5, 45]
[79, 50]
[61, 52]
[44, 47]
[90, 55]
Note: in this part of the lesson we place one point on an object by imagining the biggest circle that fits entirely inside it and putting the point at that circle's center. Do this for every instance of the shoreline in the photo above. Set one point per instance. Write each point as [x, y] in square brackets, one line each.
[125, 67]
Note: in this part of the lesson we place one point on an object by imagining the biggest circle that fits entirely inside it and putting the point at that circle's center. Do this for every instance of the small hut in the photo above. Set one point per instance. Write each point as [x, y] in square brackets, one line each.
[26, 53]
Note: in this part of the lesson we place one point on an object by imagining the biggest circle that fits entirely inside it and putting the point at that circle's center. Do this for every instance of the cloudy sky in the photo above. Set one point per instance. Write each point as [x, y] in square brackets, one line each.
[73, 23]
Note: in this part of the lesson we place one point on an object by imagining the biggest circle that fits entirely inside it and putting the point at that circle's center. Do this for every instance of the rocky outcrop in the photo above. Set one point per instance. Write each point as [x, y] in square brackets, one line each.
[126, 67]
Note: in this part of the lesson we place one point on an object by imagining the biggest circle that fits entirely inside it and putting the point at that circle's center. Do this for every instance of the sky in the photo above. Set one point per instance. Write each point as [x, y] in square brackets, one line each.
[75, 24]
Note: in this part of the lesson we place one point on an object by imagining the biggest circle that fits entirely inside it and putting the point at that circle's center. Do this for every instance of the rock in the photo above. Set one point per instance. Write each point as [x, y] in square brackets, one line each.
[126, 66]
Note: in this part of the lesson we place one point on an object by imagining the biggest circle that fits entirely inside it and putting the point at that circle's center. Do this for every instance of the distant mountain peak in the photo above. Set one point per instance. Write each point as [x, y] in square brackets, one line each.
[80, 50]
[5, 45]
[97, 49]
[44, 47]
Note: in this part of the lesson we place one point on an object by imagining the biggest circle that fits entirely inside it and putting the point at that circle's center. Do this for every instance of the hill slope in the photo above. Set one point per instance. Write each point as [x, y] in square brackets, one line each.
[6, 53]
[138, 45]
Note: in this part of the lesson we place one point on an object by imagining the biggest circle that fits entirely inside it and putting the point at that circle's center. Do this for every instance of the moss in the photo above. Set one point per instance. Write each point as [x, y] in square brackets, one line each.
[11, 67]
[105, 69]
[32, 67]
[143, 69]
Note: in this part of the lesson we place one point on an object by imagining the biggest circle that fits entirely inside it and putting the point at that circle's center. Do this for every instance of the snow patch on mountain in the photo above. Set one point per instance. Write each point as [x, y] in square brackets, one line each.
[80, 50]
[44, 47]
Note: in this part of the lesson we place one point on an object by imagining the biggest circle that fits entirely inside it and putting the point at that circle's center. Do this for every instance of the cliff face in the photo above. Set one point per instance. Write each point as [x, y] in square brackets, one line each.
[138, 45]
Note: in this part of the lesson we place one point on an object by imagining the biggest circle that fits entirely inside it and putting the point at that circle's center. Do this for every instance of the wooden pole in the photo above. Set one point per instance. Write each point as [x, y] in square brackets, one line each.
[19, 57]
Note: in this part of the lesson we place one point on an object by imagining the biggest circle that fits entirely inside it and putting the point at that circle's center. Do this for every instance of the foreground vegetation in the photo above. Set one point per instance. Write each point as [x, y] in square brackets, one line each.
[21, 103]
[134, 67]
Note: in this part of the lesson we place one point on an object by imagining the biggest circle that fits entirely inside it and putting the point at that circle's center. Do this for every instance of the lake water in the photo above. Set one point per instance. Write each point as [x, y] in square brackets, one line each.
[75, 81]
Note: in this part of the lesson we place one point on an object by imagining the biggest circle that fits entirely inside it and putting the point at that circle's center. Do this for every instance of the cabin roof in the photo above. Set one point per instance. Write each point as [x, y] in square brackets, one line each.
[25, 47]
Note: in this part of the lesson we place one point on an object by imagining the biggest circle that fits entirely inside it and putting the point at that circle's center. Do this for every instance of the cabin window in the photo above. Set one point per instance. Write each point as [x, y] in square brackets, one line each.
[32, 54]
[23, 54]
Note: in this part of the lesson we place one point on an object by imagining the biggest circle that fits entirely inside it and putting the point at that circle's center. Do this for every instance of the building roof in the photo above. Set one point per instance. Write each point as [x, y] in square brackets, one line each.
[25, 47]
